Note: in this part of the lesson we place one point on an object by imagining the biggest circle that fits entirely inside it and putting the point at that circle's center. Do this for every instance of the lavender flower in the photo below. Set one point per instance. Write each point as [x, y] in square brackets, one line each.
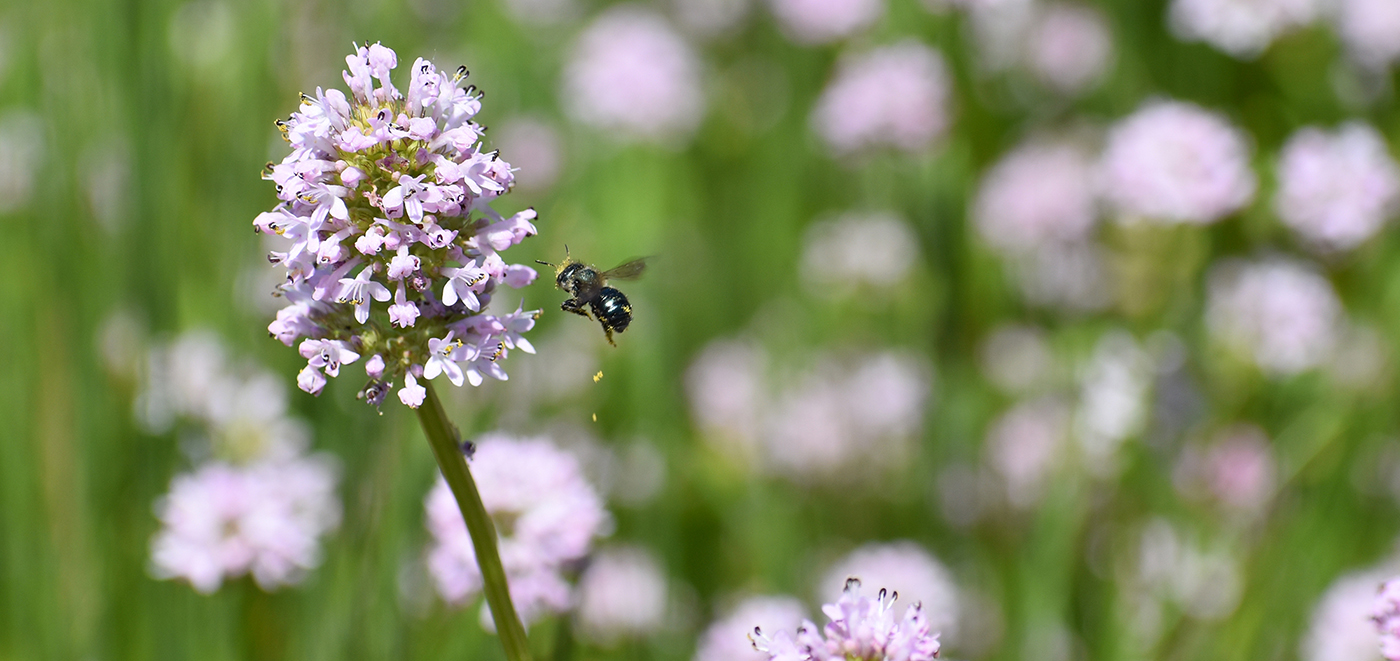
[1113, 399]
[846, 421]
[907, 569]
[266, 519]
[630, 75]
[1337, 189]
[876, 250]
[1238, 470]
[1175, 162]
[621, 594]
[385, 191]
[1371, 31]
[1341, 628]
[813, 22]
[1386, 615]
[727, 388]
[545, 512]
[1242, 28]
[1041, 192]
[861, 629]
[257, 504]
[893, 96]
[1282, 314]
[1069, 48]
[727, 638]
[535, 149]
[1026, 444]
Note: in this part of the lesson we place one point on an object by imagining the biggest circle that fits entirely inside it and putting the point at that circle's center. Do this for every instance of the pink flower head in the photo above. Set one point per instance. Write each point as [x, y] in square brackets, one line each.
[905, 568]
[1025, 446]
[387, 188]
[631, 75]
[266, 519]
[535, 147]
[893, 96]
[727, 638]
[1336, 189]
[1242, 28]
[1238, 470]
[1039, 193]
[1341, 626]
[1371, 30]
[1282, 314]
[1070, 48]
[812, 22]
[861, 629]
[1174, 162]
[1386, 615]
[621, 594]
[546, 513]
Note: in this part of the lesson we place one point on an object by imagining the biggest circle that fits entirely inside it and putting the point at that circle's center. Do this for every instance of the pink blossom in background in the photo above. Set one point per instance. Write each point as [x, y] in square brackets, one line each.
[535, 148]
[1341, 628]
[223, 521]
[813, 22]
[904, 567]
[893, 96]
[861, 628]
[873, 249]
[846, 420]
[1042, 191]
[1282, 314]
[1336, 189]
[1069, 48]
[1026, 444]
[1175, 162]
[621, 594]
[727, 639]
[1386, 615]
[1242, 28]
[628, 73]
[1370, 29]
[728, 392]
[1238, 470]
[546, 515]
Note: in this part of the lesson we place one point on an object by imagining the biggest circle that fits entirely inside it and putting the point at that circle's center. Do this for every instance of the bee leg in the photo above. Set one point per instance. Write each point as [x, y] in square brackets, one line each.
[575, 306]
[607, 330]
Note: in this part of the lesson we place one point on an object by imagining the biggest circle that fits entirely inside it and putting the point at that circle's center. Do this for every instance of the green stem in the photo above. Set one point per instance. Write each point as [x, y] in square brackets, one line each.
[443, 438]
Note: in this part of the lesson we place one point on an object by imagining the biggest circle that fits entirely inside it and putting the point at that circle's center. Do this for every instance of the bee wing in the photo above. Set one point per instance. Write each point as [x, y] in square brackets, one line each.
[628, 270]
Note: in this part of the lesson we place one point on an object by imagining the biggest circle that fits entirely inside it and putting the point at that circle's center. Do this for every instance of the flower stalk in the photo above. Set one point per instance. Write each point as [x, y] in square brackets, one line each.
[444, 441]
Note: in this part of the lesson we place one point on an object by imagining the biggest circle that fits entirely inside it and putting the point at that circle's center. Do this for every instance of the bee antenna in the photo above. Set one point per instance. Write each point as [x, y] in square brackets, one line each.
[566, 250]
[541, 261]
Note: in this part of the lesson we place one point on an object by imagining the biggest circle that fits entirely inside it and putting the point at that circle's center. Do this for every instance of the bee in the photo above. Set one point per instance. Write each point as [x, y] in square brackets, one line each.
[587, 286]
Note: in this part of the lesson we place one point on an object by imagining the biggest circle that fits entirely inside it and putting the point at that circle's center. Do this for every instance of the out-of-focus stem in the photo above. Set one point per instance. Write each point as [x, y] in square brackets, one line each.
[450, 459]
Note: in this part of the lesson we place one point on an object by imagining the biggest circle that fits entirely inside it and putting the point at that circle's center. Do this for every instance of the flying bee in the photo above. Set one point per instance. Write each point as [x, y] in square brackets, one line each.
[587, 286]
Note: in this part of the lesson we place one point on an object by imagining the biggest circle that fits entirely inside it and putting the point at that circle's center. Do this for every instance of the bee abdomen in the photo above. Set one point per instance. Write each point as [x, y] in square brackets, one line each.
[611, 308]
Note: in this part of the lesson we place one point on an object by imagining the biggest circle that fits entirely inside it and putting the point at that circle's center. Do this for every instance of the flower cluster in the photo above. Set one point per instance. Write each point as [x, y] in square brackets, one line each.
[546, 515]
[1242, 28]
[1336, 189]
[876, 249]
[725, 640]
[861, 629]
[905, 568]
[814, 22]
[621, 594]
[1386, 615]
[631, 75]
[892, 96]
[258, 504]
[1175, 162]
[1041, 192]
[1283, 314]
[385, 199]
